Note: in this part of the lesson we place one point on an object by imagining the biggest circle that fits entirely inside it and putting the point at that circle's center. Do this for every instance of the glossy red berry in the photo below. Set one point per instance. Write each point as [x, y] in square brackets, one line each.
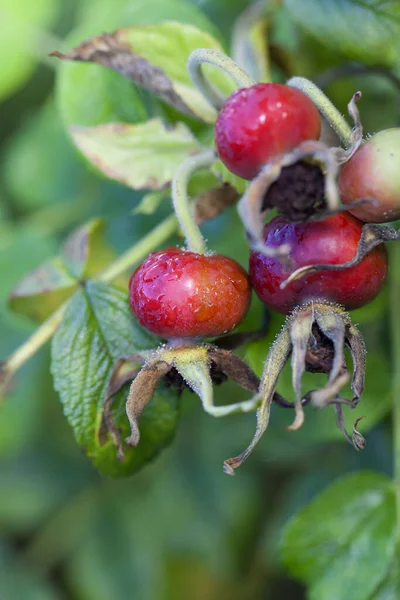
[374, 172]
[177, 294]
[258, 123]
[331, 241]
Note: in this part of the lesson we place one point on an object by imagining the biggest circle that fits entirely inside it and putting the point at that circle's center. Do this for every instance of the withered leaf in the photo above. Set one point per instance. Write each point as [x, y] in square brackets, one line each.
[111, 51]
[155, 57]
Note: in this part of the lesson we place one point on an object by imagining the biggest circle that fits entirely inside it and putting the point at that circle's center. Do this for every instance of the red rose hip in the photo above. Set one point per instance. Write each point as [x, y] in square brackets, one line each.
[179, 294]
[258, 123]
[331, 241]
[374, 172]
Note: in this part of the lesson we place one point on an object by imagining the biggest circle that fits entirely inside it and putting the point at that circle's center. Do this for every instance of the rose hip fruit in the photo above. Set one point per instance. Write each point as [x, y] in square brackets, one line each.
[331, 241]
[374, 172]
[259, 123]
[179, 294]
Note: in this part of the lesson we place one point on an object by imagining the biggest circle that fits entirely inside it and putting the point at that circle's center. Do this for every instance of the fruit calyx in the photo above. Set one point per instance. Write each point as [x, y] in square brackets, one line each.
[298, 339]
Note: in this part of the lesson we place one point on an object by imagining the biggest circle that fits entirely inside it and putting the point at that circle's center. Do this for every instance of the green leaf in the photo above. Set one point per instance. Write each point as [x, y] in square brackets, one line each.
[155, 57]
[343, 543]
[43, 290]
[143, 156]
[21, 249]
[88, 94]
[86, 251]
[20, 21]
[390, 587]
[364, 30]
[98, 329]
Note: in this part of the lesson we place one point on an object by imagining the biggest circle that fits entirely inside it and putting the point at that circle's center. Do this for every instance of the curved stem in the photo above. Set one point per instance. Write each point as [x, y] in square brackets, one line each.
[203, 56]
[395, 329]
[194, 239]
[325, 106]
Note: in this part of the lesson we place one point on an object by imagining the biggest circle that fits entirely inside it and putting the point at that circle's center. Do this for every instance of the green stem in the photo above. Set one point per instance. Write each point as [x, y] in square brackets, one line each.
[395, 329]
[47, 329]
[211, 57]
[335, 119]
[148, 243]
[194, 239]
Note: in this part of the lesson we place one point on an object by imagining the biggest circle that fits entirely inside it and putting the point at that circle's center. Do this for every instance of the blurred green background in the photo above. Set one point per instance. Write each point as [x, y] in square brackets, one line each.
[180, 528]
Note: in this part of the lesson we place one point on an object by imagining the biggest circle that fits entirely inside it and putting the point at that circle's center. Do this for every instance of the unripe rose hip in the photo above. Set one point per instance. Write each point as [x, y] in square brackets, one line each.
[374, 172]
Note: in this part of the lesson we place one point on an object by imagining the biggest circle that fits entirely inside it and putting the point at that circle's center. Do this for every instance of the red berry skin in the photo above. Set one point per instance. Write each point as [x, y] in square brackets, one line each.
[374, 172]
[259, 123]
[331, 241]
[179, 294]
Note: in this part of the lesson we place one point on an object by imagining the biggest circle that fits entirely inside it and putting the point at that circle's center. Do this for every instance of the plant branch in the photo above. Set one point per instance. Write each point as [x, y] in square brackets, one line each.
[192, 164]
[335, 119]
[203, 56]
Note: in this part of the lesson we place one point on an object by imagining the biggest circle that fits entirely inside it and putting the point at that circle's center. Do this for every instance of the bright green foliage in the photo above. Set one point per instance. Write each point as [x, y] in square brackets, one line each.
[179, 528]
[359, 30]
[143, 156]
[90, 95]
[343, 543]
[97, 329]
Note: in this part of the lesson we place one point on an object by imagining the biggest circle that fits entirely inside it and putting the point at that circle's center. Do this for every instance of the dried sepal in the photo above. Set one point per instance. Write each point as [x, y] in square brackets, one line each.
[274, 363]
[235, 368]
[371, 237]
[141, 392]
[300, 332]
[125, 369]
[356, 344]
[313, 330]
[343, 155]
[359, 442]
[196, 367]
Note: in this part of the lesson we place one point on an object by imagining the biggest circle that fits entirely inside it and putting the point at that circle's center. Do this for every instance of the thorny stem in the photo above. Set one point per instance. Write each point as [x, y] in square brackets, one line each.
[325, 106]
[211, 57]
[395, 328]
[192, 164]
[46, 330]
